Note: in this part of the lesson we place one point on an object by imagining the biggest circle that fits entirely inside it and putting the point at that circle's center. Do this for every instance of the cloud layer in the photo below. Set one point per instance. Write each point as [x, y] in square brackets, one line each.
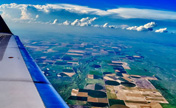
[22, 12]
[115, 13]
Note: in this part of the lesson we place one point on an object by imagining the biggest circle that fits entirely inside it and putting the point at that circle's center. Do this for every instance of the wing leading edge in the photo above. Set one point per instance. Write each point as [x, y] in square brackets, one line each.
[22, 84]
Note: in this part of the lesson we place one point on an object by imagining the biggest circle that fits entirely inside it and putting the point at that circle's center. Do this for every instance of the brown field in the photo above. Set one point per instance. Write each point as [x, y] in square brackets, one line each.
[143, 83]
[110, 92]
[119, 106]
[77, 51]
[110, 74]
[135, 95]
[73, 62]
[143, 105]
[74, 54]
[143, 95]
[102, 100]
[82, 94]
[90, 76]
[69, 74]
[74, 92]
[117, 70]
[91, 99]
[108, 78]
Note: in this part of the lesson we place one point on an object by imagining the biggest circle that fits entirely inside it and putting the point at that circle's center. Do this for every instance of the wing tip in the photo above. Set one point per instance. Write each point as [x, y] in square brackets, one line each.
[3, 26]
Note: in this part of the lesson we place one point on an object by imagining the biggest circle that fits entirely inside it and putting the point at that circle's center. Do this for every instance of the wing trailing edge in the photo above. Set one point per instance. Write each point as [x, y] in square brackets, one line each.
[23, 73]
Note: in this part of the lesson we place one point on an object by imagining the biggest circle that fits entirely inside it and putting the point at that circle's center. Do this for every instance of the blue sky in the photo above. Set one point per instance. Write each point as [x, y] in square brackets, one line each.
[156, 16]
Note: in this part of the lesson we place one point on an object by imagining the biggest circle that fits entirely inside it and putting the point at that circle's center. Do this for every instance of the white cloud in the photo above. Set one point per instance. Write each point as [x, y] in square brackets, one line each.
[24, 14]
[142, 28]
[124, 26]
[150, 25]
[96, 25]
[122, 12]
[82, 22]
[37, 16]
[105, 25]
[132, 28]
[76, 22]
[88, 22]
[70, 8]
[161, 30]
[84, 19]
[112, 26]
[66, 23]
[5, 15]
[55, 21]
[146, 27]
[143, 13]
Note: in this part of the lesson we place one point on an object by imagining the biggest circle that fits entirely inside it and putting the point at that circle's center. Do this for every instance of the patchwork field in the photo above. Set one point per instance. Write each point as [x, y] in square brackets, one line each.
[100, 75]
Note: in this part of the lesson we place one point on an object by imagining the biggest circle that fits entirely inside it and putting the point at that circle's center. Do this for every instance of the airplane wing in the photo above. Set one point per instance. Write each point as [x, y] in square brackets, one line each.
[22, 84]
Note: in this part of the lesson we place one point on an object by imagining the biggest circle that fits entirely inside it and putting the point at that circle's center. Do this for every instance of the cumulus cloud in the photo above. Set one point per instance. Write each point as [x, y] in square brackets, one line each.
[88, 22]
[67, 22]
[124, 26]
[142, 28]
[116, 13]
[161, 30]
[96, 25]
[112, 26]
[150, 25]
[105, 25]
[24, 14]
[5, 15]
[146, 27]
[132, 28]
[22, 7]
[55, 21]
[76, 22]
[20, 10]
[82, 22]
[37, 16]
